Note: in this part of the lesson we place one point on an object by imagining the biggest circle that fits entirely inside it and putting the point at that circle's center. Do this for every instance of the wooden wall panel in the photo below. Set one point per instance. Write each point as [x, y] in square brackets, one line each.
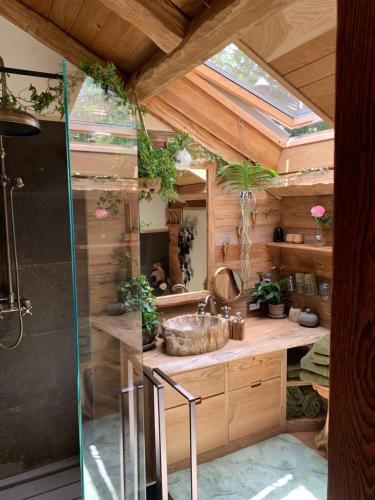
[312, 155]
[296, 218]
[221, 121]
[225, 215]
[106, 238]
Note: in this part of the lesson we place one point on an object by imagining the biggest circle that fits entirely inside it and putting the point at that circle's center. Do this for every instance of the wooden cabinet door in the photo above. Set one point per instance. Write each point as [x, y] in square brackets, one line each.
[254, 409]
[211, 428]
[245, 372]
[204, 382]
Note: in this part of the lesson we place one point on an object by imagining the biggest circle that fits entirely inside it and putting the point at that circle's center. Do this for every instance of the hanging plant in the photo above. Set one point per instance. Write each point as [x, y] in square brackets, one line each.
[29, 100]
[107, 78]
[51, 99]
[246, 177]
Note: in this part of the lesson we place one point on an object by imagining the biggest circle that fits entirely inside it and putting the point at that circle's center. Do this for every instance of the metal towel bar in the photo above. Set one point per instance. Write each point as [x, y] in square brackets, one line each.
[192, 401]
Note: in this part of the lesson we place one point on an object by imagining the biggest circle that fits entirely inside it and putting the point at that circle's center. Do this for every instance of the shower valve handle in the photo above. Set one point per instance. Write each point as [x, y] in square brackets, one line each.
[26, 307]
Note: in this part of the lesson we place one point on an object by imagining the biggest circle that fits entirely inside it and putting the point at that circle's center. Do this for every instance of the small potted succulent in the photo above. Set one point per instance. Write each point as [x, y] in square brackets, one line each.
[271, 292]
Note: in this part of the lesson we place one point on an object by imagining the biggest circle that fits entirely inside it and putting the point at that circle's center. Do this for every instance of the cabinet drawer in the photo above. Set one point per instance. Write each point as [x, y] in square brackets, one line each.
[254, 409]
[211, 428]
[205, 382]
[247, 371]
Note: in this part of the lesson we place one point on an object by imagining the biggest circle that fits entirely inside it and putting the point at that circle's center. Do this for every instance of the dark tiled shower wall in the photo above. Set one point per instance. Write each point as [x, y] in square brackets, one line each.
[38, 406]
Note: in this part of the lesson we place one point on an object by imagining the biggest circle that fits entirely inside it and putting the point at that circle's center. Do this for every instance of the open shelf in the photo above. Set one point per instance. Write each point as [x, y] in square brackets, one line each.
[303, 247]
[294, 190]
[309, 185]
[297, 383]
[305, 424]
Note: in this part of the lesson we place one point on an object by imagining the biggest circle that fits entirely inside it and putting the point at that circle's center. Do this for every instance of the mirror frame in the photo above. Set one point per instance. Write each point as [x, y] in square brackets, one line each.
[218, 294]
[186, 298]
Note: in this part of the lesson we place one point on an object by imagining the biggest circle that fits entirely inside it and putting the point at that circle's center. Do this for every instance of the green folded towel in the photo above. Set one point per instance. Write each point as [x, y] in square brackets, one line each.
[303, 401]
[314, 378]
[293, 370]
[312, 403]
[308, 364]
[294, 402]
[294, 411]
[295, 395]
[320, 359]
[294, 374]
[322, 346]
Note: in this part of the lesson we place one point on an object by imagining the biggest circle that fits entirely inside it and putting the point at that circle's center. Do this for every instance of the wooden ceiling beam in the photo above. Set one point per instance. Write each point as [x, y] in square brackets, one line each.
[45, 32]
[217, 26]
[224, 100]
[221, 121]
[162, 110]
[160, 20]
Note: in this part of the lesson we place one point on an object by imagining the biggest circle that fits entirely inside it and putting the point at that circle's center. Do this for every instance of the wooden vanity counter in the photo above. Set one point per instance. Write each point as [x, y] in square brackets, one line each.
[263, 335]
[242, 388]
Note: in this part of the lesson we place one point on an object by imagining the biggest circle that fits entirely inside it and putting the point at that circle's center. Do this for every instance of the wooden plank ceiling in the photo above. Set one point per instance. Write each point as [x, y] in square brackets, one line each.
[155, 42]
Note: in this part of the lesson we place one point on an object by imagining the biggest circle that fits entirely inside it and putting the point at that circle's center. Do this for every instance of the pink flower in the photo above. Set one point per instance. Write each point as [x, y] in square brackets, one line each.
[101, 213]
[266, 280]
[317, 211]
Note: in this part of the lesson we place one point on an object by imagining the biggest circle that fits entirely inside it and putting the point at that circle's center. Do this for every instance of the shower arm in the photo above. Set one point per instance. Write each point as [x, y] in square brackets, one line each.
[4, 90]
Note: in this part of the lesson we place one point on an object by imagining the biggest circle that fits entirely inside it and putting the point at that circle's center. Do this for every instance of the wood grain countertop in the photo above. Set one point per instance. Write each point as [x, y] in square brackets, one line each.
[262, 335]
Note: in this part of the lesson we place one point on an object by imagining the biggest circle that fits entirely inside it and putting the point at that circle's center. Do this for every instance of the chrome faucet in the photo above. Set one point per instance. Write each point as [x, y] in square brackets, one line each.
[210, 299]
[179, 286]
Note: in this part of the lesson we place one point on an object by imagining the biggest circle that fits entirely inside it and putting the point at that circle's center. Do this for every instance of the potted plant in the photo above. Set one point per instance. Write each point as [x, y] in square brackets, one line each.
[137, 295]
[156, 169]
[271, 292]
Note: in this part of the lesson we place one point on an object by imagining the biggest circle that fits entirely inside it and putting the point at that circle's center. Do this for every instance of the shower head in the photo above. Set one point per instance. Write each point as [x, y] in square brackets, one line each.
[15, 123]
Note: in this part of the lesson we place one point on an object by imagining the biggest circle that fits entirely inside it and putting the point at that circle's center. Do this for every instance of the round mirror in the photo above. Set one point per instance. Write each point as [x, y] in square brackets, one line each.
[227, 284]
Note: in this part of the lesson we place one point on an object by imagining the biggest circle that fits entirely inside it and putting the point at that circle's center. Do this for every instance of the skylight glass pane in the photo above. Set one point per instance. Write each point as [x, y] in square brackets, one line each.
[237, 66]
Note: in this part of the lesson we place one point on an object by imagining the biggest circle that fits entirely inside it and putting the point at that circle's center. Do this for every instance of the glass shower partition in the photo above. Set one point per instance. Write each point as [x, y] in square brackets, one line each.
[102, 165]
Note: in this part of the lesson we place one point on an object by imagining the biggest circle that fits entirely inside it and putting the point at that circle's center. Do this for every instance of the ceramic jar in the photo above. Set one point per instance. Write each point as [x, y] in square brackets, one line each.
[298, 238]
[294, 313]
[308, 318]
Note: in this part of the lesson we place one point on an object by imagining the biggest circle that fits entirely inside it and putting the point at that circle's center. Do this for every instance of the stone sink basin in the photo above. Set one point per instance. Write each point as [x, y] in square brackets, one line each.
[192, 334]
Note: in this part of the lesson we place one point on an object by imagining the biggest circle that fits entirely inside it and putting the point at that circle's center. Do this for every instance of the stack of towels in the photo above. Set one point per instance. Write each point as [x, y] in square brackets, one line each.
[315, 364]
[303, 401]
[312, 367]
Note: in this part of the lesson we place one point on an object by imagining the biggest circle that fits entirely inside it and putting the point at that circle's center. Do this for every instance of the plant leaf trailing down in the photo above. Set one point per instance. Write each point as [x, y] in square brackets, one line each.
[245, 176]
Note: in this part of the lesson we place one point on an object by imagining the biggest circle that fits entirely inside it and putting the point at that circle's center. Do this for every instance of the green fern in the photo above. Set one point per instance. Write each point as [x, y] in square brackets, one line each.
[245, 176]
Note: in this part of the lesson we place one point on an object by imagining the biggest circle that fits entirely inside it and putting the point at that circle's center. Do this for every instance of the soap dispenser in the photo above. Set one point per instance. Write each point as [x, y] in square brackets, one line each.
[238, 327]
[226, 315]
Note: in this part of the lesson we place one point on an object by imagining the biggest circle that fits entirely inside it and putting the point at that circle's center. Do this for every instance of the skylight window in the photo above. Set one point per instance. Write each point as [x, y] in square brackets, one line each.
[238, 67]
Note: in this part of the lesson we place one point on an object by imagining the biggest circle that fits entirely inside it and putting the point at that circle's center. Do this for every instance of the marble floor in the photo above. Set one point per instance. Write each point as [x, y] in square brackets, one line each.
[279, 468]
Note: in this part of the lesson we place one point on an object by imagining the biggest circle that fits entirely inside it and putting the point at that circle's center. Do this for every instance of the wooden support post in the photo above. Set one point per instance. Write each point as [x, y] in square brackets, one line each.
[352, 373]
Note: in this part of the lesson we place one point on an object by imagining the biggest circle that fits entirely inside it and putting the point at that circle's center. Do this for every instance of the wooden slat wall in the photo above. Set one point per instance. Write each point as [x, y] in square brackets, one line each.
[295, 218]
[313, 155]
[226, 214]
[107, 238]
